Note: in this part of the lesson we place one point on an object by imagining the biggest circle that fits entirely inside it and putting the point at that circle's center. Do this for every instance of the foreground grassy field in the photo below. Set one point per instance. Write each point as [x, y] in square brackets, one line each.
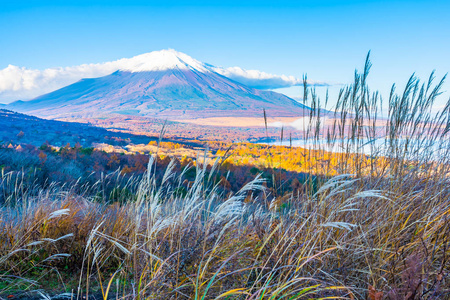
[351, 235]
[376, 228]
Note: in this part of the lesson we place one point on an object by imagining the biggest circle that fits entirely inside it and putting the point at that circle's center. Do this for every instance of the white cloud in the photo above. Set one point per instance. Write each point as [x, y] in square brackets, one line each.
[20, 83]
[262, 80]
[258, 79]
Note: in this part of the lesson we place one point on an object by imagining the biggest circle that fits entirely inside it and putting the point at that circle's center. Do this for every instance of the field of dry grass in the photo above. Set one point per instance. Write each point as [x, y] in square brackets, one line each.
[351, 234]
[378, 234]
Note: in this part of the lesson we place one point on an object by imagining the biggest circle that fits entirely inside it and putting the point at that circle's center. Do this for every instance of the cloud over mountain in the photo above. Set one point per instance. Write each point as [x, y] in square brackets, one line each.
[23, 83]
[262, 80]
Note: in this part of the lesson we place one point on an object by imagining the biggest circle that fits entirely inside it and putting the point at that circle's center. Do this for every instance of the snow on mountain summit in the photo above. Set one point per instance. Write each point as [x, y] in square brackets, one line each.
[160, 61]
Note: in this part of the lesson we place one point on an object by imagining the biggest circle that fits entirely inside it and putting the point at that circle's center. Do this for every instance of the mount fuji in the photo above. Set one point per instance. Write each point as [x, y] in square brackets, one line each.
[161, 84]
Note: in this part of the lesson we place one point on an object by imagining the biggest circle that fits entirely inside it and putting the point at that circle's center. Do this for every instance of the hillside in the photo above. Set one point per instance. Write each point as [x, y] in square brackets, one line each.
[18, 128]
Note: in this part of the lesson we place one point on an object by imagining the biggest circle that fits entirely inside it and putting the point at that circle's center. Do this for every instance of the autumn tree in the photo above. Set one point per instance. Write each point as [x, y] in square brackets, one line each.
[114, 161]
[42, 157]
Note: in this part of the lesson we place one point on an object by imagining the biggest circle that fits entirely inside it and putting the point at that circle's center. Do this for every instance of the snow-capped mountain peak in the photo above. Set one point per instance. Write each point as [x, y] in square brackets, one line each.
[161, 61]
[24, 83]
[161, 84]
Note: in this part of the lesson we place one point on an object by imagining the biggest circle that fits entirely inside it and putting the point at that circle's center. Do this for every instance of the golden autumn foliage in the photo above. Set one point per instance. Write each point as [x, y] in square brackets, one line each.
[298, 159]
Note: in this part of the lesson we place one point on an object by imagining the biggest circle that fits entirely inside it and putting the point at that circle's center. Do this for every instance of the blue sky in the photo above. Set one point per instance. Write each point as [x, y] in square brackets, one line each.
[325, 39]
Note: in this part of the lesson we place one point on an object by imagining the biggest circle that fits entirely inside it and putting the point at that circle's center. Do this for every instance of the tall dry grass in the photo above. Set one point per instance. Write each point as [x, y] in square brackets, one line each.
[379, 230]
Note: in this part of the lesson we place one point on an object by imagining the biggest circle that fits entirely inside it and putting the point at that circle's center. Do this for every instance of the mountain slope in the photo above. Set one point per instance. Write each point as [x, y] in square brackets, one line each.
[165, 84]
[19, 128]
